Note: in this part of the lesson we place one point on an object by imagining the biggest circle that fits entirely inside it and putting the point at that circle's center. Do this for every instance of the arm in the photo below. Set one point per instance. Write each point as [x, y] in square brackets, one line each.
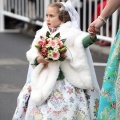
[111, 6]
[87, 41]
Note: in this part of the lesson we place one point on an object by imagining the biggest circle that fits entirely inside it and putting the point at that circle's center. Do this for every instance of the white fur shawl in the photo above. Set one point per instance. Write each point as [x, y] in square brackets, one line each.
[75, 68]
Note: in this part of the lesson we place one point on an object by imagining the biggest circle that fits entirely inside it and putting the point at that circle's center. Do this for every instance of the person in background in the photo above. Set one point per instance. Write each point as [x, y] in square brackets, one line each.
[60, 90]
[109, 106]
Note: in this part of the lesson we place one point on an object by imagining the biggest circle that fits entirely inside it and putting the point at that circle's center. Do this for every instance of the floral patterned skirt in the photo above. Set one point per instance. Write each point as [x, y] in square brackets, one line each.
[65, 103]
[110, 91]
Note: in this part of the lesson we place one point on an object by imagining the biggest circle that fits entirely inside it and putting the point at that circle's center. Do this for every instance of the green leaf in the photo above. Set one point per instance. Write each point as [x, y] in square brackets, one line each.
[48, 34]
[38, 47]
[63, 40]
[57, 35]
[62, 58]
[64, 49]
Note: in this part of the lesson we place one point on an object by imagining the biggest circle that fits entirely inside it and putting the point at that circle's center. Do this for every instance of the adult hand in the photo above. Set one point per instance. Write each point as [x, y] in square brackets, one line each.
[95, 26]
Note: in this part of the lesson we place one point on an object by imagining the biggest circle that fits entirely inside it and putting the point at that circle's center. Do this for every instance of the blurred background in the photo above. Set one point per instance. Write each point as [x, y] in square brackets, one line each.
[19, 21]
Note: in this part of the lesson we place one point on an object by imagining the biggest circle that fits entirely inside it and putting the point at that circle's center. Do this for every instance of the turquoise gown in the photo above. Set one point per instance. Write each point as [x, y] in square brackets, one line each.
[110, 92]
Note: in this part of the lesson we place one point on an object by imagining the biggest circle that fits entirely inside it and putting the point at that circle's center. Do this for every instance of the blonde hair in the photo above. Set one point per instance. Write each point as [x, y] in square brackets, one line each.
[63, 14]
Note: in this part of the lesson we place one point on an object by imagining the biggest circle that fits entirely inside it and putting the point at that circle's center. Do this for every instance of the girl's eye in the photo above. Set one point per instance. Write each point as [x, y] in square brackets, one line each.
[51, 16]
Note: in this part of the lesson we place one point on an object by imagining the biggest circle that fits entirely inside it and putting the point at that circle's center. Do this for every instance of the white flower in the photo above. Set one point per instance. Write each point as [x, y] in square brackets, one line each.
[49, 55]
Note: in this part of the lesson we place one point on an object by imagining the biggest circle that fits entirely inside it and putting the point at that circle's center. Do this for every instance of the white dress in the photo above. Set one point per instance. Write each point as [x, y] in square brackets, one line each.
[66, 101]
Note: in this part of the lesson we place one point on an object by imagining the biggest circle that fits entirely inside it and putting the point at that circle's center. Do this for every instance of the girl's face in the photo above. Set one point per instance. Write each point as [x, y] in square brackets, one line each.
[52, 18]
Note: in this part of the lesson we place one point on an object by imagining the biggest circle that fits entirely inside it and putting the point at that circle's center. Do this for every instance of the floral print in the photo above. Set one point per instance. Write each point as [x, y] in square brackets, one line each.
[109, 92]
[65, 103]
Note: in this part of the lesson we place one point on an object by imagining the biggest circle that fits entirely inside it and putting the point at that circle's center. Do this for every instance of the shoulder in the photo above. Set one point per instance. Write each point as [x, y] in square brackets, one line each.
[42, 31]
[68, 25]
[68, 29]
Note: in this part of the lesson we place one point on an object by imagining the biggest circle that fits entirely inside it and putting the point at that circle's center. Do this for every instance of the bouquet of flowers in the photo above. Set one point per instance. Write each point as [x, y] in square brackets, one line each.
[52, 48]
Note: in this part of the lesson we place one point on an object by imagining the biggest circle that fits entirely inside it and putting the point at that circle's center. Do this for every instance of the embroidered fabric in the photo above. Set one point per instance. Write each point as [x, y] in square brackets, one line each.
[72, 12]
[52, 30]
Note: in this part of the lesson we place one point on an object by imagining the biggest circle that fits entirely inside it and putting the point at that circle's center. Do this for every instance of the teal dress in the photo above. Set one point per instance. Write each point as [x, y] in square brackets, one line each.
[110, 92]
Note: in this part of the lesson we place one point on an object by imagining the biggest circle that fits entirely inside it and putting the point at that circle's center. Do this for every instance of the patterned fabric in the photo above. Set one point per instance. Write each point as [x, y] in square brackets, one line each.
[107, 105]
[65, 103]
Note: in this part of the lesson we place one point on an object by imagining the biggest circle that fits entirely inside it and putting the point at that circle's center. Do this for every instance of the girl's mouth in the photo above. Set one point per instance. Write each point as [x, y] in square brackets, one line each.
[48, 24]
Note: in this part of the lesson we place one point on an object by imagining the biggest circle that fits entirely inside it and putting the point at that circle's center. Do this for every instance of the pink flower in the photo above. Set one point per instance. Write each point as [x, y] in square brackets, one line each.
[60, 43]
[55, 55]
[63, 54]
[42, 42]
[49, 39]
[70, 91]
[53, 43]
[35, 111]
[44, 51]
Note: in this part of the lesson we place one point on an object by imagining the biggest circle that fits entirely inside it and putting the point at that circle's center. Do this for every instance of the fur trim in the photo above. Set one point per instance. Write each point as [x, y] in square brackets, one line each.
[30, 56]
[76, 70]
[43, 81]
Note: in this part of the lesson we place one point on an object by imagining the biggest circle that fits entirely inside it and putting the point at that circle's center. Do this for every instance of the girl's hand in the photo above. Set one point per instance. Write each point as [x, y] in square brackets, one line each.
[92, 32]
[92, 36]
[40, 59]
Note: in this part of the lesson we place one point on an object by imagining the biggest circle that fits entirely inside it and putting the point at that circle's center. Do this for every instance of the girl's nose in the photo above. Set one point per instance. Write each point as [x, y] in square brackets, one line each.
[47, 18]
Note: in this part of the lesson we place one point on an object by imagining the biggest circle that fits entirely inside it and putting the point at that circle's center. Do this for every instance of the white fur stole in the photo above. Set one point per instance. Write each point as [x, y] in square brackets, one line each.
[43, 80]
[76, 68]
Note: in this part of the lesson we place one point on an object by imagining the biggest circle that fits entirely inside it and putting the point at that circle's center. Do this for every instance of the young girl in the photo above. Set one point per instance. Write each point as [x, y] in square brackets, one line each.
[66, 90]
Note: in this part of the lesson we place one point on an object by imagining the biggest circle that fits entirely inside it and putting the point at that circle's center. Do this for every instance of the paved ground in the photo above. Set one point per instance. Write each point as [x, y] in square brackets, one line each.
[13, 70]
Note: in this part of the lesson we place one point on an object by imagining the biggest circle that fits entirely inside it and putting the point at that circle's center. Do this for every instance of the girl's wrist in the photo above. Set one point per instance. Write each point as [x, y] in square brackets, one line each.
[92, 36]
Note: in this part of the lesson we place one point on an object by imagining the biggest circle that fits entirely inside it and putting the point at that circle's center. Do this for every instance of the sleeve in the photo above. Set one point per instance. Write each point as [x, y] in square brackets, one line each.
[77, 65]
[76, 53]
[81, 42]
[87, 41]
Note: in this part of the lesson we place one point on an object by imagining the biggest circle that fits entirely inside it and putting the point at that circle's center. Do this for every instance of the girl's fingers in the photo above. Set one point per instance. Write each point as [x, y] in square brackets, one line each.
[90, 30]
[45, 65]
[94, 30]
[97, 31]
